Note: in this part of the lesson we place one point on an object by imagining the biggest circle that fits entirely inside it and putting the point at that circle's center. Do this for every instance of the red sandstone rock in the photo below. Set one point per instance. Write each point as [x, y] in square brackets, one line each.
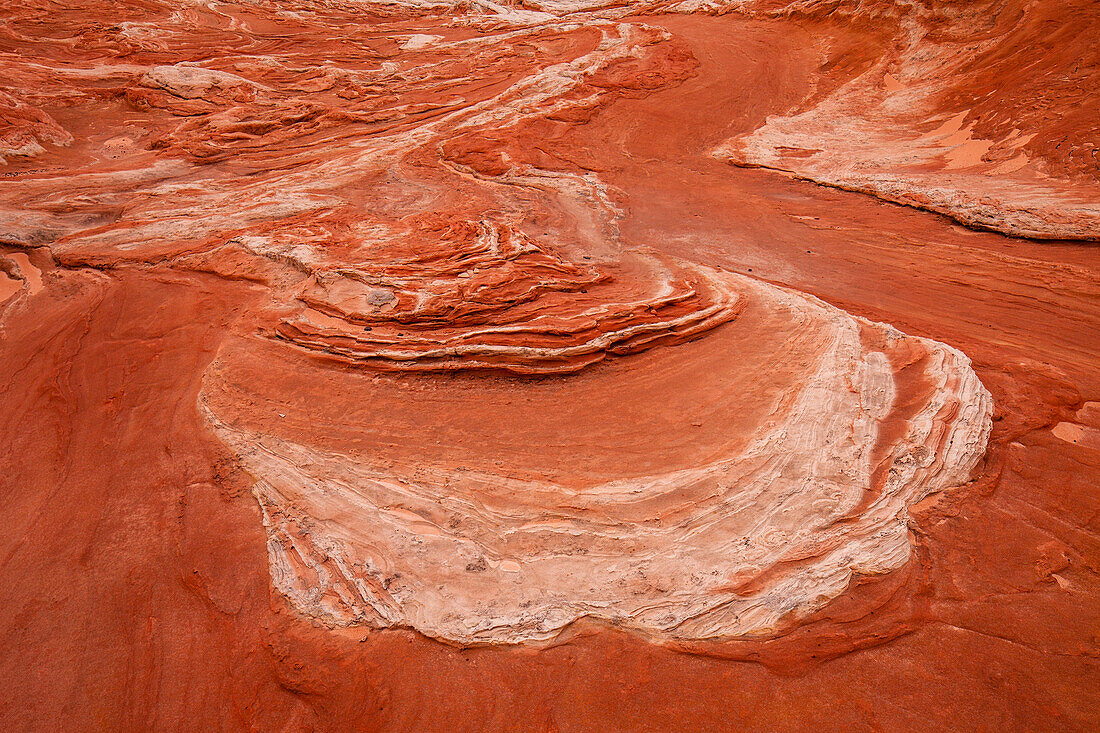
[422, 366]
[957, 117]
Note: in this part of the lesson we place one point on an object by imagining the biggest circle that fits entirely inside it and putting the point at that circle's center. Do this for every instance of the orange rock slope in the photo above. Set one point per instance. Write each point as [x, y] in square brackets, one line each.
[471, 366]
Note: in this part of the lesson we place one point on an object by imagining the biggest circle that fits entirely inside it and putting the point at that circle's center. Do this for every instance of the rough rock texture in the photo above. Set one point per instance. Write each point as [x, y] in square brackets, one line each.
[426, 366]
[977, 110]
[807, 486]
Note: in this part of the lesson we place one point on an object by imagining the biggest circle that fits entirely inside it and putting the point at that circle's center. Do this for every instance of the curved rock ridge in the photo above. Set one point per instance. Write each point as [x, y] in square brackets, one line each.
[487, 296]
[814, 491]
[336, 329]
[296, 135]
[957, 116]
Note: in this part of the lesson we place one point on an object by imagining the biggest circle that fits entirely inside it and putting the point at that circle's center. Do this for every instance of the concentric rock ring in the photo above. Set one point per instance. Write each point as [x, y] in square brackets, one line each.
[504, 524]
[502, 302]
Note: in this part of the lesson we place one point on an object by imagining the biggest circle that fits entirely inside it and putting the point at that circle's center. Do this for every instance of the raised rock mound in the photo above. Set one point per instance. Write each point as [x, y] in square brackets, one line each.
[820, 431]
[332, 331]
[489, 297]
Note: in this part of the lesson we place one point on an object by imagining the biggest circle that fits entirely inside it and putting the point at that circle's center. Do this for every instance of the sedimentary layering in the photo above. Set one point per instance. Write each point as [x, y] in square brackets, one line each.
[502, 302]
[336, 330]
[814, 451]
[977, 112]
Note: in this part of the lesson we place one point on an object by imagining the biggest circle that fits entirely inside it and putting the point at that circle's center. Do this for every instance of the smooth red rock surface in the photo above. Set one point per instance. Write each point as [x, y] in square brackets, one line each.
[428, 366]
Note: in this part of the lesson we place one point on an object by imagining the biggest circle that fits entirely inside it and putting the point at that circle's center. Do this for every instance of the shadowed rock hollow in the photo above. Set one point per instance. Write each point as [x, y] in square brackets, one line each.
[550, 366]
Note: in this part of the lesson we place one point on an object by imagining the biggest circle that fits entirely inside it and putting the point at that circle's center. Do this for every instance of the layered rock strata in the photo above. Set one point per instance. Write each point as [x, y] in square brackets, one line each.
[495, 299]
[808, 473]
[331, 330]
[390, 233]
[957, 115]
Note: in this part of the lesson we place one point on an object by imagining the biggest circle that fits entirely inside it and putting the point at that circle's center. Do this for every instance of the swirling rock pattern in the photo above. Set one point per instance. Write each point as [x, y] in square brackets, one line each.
[785, 509]
[334, 330]
[488, 297]
[912, 129]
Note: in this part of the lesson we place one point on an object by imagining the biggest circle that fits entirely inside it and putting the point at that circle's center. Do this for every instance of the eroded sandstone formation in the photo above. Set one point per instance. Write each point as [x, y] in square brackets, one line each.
[428, 365]
[809, 486]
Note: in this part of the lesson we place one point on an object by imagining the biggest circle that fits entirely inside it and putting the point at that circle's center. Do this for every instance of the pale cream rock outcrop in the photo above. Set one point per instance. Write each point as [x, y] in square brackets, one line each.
[477, 557]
